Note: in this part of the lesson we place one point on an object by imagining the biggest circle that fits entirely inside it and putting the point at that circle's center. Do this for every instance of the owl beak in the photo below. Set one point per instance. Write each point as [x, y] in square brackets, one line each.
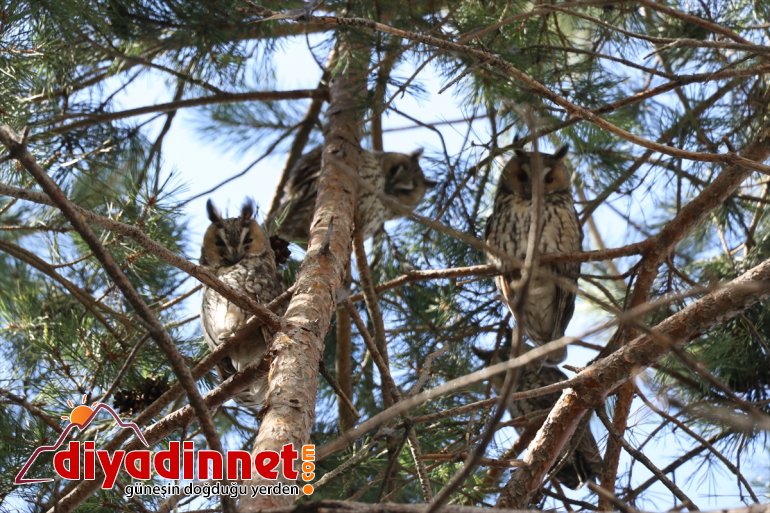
[233, 258]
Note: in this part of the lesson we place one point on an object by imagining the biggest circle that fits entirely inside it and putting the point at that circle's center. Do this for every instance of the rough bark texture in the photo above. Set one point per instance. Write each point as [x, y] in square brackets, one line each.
[293, 378]
[604, 376]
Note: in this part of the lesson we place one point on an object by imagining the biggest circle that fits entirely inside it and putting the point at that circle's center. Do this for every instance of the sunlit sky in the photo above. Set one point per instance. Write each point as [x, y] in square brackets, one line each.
[199, 164]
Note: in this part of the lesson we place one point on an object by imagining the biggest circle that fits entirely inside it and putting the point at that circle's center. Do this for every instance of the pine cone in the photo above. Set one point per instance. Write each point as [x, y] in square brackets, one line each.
[280, 248]
[136, 399]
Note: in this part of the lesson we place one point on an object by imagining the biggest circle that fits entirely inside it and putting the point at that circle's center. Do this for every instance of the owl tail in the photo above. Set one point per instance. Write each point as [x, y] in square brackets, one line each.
[583, 464]
[554, 358]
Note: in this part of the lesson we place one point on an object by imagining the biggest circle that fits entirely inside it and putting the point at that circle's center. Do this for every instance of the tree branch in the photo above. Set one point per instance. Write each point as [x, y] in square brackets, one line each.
[664, 242]
[94, 119]
[606, 375]
[293, 378]
[572, 109]
[17, 148]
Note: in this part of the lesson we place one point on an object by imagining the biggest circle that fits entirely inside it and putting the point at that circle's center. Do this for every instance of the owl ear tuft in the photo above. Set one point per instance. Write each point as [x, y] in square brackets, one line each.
[521, 154]
[561, 152]
[247, 210]
[214, 215]
[416, 154]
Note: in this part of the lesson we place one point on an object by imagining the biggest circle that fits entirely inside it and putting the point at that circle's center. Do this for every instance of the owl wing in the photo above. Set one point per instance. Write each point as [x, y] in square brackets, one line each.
[262, 282]
[564, 301]
[221, 318]
[298, 200]
[564, 308]
[213, 315]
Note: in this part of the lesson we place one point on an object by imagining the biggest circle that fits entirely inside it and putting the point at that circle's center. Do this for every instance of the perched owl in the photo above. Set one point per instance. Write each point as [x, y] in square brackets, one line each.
[548, 308]
[238, 251]
[396, 175]
[580, 461]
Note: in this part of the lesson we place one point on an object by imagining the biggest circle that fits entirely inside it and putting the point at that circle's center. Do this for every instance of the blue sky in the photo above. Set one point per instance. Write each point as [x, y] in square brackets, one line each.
[199, 164]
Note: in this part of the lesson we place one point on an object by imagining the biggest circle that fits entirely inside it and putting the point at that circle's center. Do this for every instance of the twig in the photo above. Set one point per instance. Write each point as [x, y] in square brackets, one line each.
[644, 460]
[702, 441]
[683, 459]
[389, 388]
[298, 145]
[390, 391]
[90, 304]
[16, 146]
[454, 385]
[344, 399]
[93, 119]
[34, 410]
[572, 109]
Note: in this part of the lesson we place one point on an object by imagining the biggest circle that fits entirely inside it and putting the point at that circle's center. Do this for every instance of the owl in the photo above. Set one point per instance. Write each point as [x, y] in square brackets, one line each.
[580, 461]
[548, 307]
[238, 251]
[398, 176]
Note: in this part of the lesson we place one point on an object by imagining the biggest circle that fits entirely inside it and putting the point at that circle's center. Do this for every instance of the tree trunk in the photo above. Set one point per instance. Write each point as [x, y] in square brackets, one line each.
[293, 378]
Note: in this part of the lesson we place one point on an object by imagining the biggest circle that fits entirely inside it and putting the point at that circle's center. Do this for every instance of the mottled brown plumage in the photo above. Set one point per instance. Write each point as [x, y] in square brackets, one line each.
[548, 307]
[395, 175]
[580, 461]
[238, 250]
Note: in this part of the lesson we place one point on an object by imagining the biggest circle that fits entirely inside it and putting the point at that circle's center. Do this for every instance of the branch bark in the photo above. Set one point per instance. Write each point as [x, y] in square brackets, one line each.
[606, 375]
[17, 147]
[293, 378]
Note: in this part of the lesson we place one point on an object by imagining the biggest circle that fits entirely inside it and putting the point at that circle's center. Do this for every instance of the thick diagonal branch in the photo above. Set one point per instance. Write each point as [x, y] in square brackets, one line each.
[19, 151]
[606, 375]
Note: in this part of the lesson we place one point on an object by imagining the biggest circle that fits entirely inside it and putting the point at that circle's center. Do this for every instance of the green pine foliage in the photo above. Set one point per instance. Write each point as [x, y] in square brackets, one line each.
[737, 351]
[66, 331]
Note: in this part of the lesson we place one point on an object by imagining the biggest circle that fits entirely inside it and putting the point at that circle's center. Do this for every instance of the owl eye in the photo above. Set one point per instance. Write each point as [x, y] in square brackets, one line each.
[219, 242]
[522, 176]
[549, 178]
[248, 240]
